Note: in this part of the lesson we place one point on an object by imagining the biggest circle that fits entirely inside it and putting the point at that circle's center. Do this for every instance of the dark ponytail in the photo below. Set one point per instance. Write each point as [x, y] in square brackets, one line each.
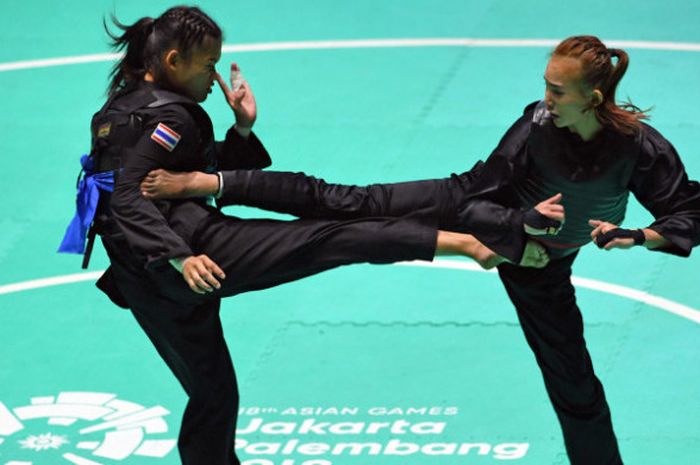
[599, 72]
[132, 66]
[145, 41]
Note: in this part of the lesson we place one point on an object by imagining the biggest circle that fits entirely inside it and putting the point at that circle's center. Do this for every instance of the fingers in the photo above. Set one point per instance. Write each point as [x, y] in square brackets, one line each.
[199, 273]
[234, 71]
[603, 227]
[598, 230]
[551, 208]
[238, 97]
[600, 227]
[612, 244]
[553, 214]
[234, 98]
[556, 198]
[222, 85]
[214, 268]
[193, 285]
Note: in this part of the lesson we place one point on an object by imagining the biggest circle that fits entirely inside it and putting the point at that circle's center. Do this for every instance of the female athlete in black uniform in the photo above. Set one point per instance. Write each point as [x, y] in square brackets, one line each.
[577, 144]
[152, 120]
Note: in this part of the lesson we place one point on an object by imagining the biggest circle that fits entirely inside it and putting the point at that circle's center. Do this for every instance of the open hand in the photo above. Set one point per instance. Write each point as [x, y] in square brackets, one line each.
[552, 209]
[547, 217]
[241, 101]
[200, 272]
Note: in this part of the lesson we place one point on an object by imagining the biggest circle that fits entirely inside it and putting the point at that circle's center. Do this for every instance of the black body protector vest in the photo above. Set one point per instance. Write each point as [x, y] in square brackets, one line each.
[116, 126]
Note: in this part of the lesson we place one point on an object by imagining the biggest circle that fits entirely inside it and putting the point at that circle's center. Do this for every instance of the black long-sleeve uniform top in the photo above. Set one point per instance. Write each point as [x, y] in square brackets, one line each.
[535, 160]
[156, 231]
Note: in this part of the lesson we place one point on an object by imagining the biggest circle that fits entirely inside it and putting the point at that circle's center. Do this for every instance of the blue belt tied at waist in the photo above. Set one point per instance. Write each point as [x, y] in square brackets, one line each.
[86, 204]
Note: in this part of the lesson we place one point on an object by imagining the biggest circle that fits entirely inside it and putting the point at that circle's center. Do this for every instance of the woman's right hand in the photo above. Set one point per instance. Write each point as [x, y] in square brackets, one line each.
[547, 217]
[201, 273]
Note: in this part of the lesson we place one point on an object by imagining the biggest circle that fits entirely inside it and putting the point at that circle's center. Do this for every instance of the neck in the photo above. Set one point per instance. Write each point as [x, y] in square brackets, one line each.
[148, 77]
[588, 128]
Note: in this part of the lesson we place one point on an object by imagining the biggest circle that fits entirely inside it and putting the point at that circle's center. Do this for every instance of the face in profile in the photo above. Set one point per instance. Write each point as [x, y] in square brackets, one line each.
[566, 97]
[193, 75]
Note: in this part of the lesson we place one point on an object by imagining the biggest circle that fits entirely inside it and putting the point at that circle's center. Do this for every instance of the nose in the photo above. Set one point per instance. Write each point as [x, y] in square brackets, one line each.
[548, 99]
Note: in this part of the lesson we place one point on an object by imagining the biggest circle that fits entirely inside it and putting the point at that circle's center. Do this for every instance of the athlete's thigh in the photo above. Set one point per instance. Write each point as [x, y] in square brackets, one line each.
[256, 254]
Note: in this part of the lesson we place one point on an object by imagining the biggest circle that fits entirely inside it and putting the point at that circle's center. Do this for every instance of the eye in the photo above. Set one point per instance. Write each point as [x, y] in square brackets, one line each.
[554, 90]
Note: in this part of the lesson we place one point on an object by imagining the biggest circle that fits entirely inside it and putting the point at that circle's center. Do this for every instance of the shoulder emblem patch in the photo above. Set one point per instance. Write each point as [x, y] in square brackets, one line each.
[103, 130]
[166, 137]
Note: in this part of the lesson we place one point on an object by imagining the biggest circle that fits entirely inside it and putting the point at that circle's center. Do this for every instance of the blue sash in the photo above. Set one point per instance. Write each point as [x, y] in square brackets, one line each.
[86, 204]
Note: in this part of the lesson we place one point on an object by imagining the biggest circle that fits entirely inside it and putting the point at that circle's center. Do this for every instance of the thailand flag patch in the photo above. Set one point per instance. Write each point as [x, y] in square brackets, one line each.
[166, 137]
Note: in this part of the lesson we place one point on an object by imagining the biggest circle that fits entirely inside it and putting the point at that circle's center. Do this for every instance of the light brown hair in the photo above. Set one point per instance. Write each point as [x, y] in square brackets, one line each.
[598, 72]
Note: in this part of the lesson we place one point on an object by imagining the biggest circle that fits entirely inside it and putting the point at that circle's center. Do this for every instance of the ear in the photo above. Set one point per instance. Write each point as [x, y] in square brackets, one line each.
[596, 97]
[171, 59]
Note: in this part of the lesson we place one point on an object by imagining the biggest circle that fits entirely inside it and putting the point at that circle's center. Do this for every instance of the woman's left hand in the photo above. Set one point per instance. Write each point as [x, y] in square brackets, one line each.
[241, 101]
[602, 227]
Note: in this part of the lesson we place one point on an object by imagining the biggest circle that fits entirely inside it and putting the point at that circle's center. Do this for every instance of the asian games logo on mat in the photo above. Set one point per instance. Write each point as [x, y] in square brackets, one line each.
[81, 428]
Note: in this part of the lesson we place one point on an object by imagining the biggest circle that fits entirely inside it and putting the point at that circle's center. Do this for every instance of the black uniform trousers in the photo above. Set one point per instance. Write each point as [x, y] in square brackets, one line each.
[447, 202]
[543, 298]
[186, 329]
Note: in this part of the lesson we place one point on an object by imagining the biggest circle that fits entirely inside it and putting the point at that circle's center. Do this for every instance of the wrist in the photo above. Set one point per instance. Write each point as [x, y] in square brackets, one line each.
[639, 236]
[654, 240]
[243, 130]
[178, 263]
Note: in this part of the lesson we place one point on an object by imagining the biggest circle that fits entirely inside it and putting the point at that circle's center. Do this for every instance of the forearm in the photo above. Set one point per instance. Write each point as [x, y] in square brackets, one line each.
[654, 240]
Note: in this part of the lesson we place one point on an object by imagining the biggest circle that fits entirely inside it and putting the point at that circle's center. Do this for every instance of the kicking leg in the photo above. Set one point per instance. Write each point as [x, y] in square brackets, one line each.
[442, 202]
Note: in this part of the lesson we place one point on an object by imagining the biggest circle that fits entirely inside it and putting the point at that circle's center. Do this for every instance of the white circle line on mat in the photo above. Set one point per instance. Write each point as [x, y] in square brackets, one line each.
[661, 303]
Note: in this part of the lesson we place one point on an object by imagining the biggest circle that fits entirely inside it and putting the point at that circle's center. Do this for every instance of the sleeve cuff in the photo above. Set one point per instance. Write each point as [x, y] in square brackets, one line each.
[220, 192]
[243, 132]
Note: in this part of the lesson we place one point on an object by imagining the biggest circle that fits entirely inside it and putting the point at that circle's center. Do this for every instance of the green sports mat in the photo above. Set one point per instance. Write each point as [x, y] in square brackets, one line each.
[410, 364]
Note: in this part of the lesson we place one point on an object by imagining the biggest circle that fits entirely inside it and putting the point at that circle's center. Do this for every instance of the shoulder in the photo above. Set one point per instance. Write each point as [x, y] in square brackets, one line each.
[651, 140]
[654, 148]
[152, 105]
[173, 113]
[520, 130]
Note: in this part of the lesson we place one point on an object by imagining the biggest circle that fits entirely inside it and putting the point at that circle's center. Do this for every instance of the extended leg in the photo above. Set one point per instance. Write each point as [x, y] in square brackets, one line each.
[309, 197]
[449, 203]
[446, 202]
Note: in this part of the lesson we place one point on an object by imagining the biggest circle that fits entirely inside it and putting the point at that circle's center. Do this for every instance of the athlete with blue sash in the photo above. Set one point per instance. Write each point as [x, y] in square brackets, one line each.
[171, 261]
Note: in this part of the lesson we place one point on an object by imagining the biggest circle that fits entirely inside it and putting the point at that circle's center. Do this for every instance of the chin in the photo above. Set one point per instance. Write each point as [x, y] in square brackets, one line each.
[558, 123]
